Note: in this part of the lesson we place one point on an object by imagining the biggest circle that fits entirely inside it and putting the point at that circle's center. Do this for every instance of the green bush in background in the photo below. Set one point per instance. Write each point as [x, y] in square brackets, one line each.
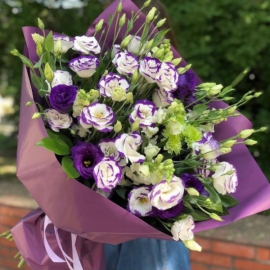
[220, 38]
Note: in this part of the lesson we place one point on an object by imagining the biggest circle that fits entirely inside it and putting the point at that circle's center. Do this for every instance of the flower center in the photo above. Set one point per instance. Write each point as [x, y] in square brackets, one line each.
[99, 115]
[143, 200]
[87, 163]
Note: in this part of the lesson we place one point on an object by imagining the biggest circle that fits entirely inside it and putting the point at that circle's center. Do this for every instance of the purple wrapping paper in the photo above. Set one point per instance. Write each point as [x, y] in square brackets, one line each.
[77, 209]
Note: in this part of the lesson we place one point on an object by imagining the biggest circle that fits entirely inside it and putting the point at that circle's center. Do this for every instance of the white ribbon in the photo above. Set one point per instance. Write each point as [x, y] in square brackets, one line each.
[54, 257]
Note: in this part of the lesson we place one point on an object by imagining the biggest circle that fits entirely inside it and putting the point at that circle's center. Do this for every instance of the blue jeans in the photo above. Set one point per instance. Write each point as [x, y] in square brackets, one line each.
[147, 254]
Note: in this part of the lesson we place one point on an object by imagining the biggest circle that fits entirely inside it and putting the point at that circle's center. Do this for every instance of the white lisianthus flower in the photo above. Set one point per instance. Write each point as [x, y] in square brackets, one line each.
[134, 46]
[107, 174]
[115, 50]
[85, 66]
[149, 68]
[143, 112]
[183, 229]
[208, 147]
[107, 147]
[86, 45]
[110, 82]
[66, 42]
[167, 77]
[127, 145]
[126, 63]
[138, 201]
[150, 131]
[151, 151]
[57, 120]
[162, 98]
[160, 115]
[225, 178]
[60, 77]
[175, 127]
[166, 195]
[98, 115]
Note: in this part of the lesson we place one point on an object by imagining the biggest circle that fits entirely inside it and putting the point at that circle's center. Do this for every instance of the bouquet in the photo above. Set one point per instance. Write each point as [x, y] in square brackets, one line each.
[125, 142]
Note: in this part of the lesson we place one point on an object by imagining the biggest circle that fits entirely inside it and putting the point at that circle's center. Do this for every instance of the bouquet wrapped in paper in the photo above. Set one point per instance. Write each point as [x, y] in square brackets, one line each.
[125, 142]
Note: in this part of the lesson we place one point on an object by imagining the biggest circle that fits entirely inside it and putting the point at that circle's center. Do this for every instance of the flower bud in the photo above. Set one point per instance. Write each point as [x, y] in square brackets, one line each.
[231, 110]
[94, 94]
[126, 41]
[57, 47]
[122, 20]
[135, 76]
[118, 94]
[168, 57]
[40, 24]
[38, 38]
[119, 7]
[105, 73]
[229, 143]
[15, 52]
[225, 150]
[99, 25]
[245, 133]
[129, 97]
[149, 44]
[159, 53]
[215, 90]
[36, 115]
[206, 86]
[250, 142]
[247, 98]
[117, 127]
[48, 73]
[135, 126]
[192, 192]
[227, 98]
[183, 70]
[159, 158]
[262, 129]
[39, 49]
[258, 94]
[151, 14]
[29, 103]
[215, 217]
[176, 61]
[161, 22]
[146, 4]
[192, 245]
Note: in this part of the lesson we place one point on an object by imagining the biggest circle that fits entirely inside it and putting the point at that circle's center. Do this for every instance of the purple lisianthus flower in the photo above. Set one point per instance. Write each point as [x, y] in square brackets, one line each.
[99, 116]
[85, 66]
[62, 97]
[57, 120]
[149, 68]
[167, 78]
[208, 147]
[85, 156]
[192, 181]
[126, 63]
[107, 174]
[169, 213]
[143, 111]
[110, 82]
[186, 85]
[138, 201]
[166, 195]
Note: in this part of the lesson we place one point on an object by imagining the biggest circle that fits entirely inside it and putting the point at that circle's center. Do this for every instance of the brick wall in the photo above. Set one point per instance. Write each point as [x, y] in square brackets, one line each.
[216, 254]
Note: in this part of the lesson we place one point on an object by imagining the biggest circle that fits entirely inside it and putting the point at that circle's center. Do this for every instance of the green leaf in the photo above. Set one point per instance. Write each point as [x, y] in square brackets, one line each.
[199, 215]
[36, 80]
[226, 90]
[159, 37]
[130, 25]
[68, 167]
[48, 42]
[56, 146]
[214, 198]
[200, 108]
[59, 136]
[121, 192]
[40, 61]
[187, 204]
[228, 201]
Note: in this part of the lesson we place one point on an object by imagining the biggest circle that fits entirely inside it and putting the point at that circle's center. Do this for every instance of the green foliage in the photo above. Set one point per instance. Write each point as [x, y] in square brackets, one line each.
[68, 167]
[221, 39]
